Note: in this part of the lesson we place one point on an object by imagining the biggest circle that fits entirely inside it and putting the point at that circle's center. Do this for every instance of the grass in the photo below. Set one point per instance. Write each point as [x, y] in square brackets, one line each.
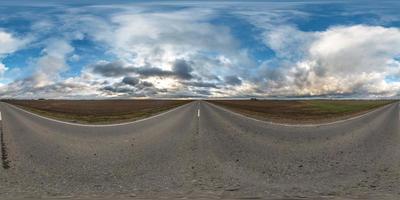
[302, 111]
[344, 107]
[97, 111]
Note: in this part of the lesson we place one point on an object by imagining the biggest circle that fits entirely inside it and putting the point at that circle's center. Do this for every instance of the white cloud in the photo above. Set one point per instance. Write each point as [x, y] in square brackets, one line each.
[10, 43]
[288, 42]
[3, 69]
[52, 62]
[161, 38]
[352, 60]
[356, 49]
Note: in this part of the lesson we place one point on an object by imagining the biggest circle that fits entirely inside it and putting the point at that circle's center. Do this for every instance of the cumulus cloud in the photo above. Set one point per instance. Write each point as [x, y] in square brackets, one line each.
[130, 81]
[45, 79]
[9, 44]
[161, 38]
[347, 60]
[182, 69]
[52, 62]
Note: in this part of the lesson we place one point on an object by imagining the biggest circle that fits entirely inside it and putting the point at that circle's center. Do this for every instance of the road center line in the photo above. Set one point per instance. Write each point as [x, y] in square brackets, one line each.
[198, 112]
[0, 116]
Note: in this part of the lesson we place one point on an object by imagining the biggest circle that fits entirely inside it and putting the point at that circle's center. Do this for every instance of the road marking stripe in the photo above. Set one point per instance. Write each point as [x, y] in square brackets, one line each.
[198, 112]
[99, 125]
[302, 125]
[0, 116]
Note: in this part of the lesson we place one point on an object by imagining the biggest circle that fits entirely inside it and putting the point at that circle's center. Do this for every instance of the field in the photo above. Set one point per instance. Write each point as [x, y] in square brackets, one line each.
[97, 111]
[301, 111]
[115, 111]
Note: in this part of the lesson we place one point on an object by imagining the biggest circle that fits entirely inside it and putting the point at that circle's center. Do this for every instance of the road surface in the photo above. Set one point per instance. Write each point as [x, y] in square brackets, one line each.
[200, 150]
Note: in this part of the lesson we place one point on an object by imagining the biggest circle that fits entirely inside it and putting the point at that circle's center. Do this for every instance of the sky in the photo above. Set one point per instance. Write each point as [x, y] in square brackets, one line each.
[173, 49]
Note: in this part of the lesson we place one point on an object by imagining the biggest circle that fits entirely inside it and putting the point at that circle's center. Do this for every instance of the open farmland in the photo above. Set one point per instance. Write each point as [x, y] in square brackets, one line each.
[301, 111]
[97, 111]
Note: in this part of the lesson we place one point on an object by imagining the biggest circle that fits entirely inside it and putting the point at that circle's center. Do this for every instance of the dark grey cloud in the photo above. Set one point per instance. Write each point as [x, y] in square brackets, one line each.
[181, 69]
[203, 92]
[144, 84]
[116, 89]
[152, 71]
[130, 80]
[132, 87]
[111, 69]
[200, 84]
[232, 80]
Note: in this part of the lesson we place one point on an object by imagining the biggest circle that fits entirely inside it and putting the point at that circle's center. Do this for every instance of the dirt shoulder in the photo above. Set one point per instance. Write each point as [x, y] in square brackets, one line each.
[97, 111]
[301, 111]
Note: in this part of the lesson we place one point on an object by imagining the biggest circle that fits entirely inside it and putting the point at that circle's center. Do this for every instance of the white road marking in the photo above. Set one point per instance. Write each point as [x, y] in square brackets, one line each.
[100, 125]
[301, 125]
[0, 116]
[198, 112]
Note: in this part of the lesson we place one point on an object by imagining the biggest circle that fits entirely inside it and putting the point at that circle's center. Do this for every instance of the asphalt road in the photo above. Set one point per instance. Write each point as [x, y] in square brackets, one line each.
[200, 150]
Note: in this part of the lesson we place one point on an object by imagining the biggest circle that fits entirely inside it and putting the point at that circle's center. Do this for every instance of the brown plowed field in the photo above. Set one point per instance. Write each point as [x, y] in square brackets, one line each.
[97, 111]
[301, 111]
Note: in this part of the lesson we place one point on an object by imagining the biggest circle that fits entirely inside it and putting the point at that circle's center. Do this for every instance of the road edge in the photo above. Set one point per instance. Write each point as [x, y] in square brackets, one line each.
[98, 125]
[302, 125]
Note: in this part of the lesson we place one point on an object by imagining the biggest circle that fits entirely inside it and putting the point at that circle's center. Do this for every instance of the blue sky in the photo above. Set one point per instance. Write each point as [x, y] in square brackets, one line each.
[130, 49]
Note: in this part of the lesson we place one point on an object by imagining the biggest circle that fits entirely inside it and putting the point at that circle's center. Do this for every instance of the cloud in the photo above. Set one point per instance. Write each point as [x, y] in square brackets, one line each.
[288, 42]
[180, 70]
[197, 50]
[117, 89]
[232, 80]
[162, 37]
[149, 71]
[356, 49]
[130, 81]
[69, 88]
[52, 62]
[3, 69]
[200, 84]
[45, 80]
[111, 69]
[347, 60]
[164, 47]
[9, 43]
[131, 87]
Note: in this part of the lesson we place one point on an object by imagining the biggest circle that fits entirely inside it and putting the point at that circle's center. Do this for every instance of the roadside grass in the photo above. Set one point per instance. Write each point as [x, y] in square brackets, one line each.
[98, 111]
[301, 111]
[93, 119]
[344, 106]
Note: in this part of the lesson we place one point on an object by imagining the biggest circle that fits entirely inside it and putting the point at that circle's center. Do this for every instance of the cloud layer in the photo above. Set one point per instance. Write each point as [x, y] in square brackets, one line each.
[218, 50]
